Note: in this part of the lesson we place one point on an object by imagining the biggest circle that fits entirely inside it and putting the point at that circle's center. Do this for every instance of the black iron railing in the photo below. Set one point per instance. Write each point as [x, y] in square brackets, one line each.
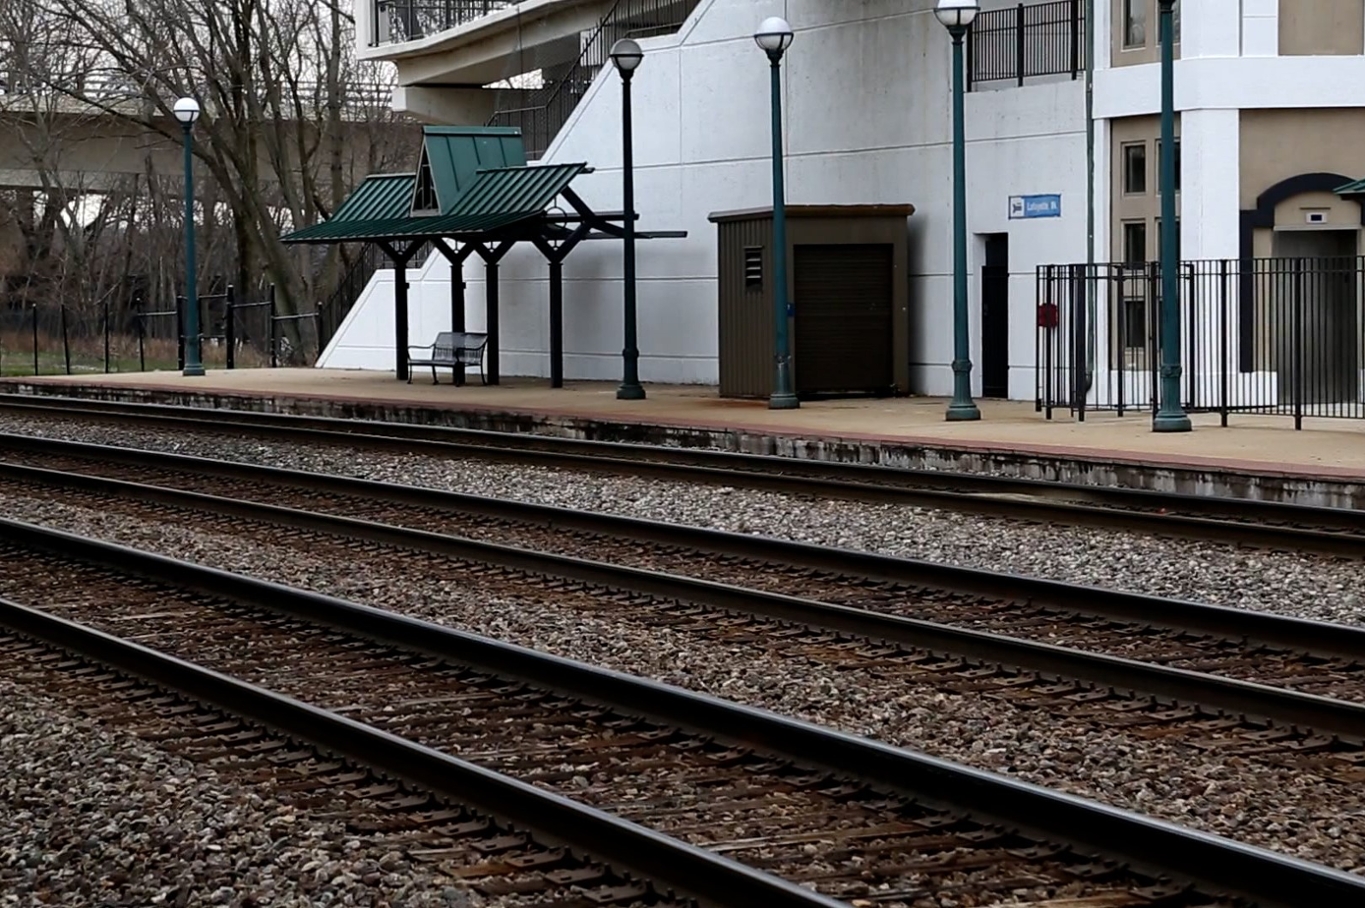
[1028, 40]
[1279, 336]
[407, 20]
[541, 112]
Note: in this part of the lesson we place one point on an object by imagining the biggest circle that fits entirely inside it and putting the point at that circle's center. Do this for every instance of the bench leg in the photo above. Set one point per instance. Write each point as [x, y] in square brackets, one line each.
[457, 374]
[482, 379]
[434, 380]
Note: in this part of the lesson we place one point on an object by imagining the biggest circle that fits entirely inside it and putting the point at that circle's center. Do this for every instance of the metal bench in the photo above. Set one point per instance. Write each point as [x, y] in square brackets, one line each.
[451, 350]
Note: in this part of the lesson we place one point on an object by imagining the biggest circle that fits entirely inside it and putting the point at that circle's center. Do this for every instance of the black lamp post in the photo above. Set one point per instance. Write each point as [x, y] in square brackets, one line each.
[957, 16]
[774, 36]
[1171, 416]
[187, 111]
[627, 56]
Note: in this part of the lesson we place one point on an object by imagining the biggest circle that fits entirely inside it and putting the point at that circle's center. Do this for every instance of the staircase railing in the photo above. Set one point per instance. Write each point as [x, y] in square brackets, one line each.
[347, 291]
[542, 112]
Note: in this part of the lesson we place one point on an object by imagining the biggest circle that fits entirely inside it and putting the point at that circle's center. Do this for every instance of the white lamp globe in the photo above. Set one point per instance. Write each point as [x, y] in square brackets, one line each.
[627, 55]
[957, 14]
[186, 110]
[774, 34]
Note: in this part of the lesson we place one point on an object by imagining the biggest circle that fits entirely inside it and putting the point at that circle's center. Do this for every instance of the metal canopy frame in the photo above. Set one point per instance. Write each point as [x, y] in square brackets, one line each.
[501, 207]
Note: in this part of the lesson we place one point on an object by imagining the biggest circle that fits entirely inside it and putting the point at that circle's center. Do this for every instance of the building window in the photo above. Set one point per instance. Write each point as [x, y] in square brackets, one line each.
[1135, 23]
[1134, 242]
[1135, 169]
[1177, 165]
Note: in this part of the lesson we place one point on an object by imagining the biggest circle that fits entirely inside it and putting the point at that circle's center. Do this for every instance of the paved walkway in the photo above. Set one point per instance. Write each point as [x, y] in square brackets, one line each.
[1327, 448]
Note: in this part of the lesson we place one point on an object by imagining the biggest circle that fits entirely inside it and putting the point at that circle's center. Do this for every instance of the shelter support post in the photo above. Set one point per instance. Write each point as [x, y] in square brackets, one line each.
[491, 257]
[556, 323]
[400, 257]
[456, 257]
[555, 254]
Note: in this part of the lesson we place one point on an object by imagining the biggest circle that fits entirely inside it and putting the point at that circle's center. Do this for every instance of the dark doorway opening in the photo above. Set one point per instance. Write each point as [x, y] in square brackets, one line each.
[844, 328]
[995, 317]
[1315, 316]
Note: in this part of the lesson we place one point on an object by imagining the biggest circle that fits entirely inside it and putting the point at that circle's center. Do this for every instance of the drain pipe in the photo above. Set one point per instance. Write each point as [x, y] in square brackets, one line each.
[1091, 302]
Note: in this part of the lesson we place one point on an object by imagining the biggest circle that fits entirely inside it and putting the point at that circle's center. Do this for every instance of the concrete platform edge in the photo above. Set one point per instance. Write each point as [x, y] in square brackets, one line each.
[1059, 464]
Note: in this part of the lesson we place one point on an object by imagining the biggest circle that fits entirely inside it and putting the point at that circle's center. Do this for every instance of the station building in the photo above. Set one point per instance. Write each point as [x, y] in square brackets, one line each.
[1062, 156]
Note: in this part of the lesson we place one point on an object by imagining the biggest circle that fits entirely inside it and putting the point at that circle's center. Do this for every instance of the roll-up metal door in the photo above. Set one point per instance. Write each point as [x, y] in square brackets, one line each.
[843, 318]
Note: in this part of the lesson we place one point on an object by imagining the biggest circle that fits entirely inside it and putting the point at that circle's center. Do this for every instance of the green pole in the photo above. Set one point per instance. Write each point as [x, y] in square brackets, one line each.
[782, 397]
[1171, 416]
[963, 408]
[630, 388]
[193, 366]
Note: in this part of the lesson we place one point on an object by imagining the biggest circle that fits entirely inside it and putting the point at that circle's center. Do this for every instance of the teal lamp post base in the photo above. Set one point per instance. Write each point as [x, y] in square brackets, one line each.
[193, 370]
[784, 402]
[630, 392]
[967, 412]
[1178, 422]
[963, 408]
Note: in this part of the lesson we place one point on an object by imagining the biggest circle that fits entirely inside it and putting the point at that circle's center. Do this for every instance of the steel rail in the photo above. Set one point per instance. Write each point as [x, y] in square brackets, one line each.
[1316, 637]
[1228, 695]
[1264, 524]
[1148, 845]
[553, 819]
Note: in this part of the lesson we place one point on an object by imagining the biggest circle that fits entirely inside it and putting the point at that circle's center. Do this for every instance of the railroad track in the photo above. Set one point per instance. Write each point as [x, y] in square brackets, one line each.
[1274, 525]
[763, 810]
[1239, 681]
[434, 831]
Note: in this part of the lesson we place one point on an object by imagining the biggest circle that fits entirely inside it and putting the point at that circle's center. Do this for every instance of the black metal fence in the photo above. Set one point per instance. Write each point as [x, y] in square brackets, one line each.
[541, 112]
[1028, 40]
[408, 20]
[1280, 336]
[57, 339]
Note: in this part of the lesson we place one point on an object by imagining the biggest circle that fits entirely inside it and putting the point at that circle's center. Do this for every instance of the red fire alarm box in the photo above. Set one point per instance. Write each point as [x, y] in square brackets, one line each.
[1047, 315]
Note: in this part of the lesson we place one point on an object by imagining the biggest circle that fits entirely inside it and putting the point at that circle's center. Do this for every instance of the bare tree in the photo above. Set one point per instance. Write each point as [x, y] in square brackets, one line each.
[291, 121]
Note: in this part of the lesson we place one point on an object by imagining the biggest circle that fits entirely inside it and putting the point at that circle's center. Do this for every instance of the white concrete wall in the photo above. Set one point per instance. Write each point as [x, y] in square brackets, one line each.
[867, 105]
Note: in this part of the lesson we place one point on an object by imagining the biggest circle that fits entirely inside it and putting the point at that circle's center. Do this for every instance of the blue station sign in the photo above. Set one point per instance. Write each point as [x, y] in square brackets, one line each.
[1023, 207]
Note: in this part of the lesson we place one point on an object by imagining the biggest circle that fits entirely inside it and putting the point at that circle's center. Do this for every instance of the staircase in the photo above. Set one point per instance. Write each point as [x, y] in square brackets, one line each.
[541, 112]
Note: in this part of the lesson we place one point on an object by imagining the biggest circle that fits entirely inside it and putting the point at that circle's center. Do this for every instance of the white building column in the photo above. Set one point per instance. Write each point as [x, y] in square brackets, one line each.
[1260, 28]
[1210, 219]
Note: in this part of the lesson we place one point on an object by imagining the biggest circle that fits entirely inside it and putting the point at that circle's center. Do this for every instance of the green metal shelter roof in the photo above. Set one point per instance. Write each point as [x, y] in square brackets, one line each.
[452, 157]
[470, 181]
[526, 189]
[494, 200]
[378, 197]
[443, 226]
[1356, 188]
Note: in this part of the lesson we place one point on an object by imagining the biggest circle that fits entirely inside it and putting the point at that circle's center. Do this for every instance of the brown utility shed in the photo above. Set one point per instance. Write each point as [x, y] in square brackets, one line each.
[847, 276]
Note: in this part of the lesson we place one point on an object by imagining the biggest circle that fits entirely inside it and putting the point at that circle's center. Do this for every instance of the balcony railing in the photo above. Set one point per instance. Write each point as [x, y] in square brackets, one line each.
[397, 21]
[1028, 40]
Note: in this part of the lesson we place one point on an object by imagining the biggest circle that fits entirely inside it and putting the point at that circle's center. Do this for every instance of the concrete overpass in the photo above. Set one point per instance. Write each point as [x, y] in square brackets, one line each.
[89, 146]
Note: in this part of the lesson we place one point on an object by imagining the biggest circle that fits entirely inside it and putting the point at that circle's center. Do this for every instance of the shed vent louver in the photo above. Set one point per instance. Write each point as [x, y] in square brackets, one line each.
[753, 267]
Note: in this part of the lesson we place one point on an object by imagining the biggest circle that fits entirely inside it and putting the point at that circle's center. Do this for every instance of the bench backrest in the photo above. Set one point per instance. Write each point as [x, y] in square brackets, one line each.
[449, 341]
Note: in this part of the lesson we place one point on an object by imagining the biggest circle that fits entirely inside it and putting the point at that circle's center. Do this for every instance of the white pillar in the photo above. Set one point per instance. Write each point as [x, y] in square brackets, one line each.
[1260, 28]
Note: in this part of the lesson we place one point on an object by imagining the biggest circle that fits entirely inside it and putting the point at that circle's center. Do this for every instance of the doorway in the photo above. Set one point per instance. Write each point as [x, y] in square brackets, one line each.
[1315, 316]
[844, 318]
[995, 317]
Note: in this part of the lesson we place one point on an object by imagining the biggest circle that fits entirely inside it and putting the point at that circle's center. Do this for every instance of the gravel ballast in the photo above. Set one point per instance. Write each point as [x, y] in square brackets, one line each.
[92, 815]
[1280, 807]
[1304, 586]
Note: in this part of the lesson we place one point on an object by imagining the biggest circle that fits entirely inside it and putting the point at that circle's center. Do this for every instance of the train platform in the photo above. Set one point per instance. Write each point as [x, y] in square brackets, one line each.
[1257, 456]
